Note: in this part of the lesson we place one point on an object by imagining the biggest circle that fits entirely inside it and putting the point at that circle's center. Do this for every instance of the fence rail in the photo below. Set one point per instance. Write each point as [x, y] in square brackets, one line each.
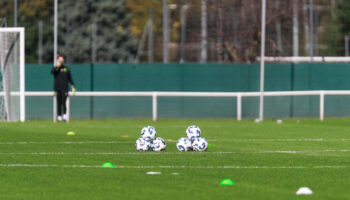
[155, 95]
[301, 59]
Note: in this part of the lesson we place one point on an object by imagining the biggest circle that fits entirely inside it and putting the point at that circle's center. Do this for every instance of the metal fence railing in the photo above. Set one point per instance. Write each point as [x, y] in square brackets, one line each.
[155, 95]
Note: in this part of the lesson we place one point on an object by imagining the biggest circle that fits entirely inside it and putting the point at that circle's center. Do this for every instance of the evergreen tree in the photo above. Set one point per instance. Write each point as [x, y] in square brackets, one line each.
[335, 29]
[114, 41]
[343, 15]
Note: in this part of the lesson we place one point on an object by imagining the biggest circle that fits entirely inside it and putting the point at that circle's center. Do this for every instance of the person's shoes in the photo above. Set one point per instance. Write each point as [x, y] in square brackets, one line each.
[59, 118]
[65, 117]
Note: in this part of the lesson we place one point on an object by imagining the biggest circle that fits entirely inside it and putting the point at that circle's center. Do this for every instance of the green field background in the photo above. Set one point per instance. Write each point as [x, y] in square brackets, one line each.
[194, 77]
[267, 161]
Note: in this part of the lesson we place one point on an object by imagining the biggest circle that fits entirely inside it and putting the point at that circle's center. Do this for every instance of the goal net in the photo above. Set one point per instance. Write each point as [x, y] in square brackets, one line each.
[12, 74]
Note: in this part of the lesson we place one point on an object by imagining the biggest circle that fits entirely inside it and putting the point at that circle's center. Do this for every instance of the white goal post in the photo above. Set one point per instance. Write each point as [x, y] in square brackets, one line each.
[12, 74]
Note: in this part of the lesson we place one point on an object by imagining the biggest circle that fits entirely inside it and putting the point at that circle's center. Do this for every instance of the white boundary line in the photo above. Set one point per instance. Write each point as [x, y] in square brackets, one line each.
[282, 140]
[176, 167]
[175, 153]
[130, 142]
[68, 142]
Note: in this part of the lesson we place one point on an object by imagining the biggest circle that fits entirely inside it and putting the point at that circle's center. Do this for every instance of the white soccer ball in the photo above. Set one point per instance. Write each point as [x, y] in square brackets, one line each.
[193, 132]
[142, 145]
[184, 144]
[148, 133]
[199, 144]
[158, 144]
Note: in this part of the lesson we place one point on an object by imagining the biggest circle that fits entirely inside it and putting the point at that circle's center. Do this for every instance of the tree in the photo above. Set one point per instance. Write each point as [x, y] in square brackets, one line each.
[29, 13]
[141, 11]
[114, 40]
[336, 26]
[343, 15]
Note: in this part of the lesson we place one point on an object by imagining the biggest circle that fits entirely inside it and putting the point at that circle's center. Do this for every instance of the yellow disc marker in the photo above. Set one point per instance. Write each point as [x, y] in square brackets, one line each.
[70, 133]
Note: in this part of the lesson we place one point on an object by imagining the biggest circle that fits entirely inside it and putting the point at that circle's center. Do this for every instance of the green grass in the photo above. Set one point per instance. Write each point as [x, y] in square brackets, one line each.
[265, 160]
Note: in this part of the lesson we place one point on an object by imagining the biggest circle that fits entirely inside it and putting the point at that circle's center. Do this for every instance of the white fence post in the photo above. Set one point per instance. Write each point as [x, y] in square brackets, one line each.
[321, 105]
[54, 108]
[154, 107]
[239, 106]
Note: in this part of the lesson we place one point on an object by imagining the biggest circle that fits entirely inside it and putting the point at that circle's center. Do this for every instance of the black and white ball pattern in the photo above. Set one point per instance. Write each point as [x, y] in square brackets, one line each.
[148, 133]
[199, 144]
[193, 132]
[184, 144]
[142, 145]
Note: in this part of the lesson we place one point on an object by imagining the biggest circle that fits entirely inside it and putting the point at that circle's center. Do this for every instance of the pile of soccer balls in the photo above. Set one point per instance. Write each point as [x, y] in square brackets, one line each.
[149, 140]
[193, 140]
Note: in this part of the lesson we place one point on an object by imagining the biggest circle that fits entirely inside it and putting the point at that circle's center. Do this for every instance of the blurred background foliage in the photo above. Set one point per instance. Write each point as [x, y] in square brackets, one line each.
[113, 29]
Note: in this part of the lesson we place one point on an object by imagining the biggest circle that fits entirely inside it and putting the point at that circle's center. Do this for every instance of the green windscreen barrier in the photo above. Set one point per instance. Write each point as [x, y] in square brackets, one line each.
[193, 77]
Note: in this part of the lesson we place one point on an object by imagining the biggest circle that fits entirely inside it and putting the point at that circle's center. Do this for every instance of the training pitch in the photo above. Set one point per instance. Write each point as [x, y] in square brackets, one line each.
[267, 160]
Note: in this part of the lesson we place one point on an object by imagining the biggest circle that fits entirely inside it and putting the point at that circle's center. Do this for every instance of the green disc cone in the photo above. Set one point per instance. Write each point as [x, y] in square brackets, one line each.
[211, 145]
[107, 164]
[227, 182]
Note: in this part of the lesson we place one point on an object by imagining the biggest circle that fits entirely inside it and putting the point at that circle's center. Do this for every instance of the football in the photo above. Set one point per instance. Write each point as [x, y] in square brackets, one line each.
[184, 144]
[148, 133]
[142, 145]
[158, 144]
[193, 132]
[199, 144]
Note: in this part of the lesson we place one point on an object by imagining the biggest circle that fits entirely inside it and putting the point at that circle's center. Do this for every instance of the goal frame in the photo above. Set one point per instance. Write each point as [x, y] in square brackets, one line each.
[21, 31]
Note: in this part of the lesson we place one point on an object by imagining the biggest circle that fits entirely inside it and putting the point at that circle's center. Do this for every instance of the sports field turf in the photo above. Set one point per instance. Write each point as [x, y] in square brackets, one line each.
[265, 160]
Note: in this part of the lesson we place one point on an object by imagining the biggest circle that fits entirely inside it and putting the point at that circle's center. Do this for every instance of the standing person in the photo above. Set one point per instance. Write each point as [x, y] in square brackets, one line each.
[62, 77]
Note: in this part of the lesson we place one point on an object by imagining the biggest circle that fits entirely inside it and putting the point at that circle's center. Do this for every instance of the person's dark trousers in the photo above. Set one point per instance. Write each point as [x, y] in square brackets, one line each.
[61, 101]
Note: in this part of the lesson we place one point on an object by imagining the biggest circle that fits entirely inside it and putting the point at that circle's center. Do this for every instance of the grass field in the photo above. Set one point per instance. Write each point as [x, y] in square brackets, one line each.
[265, 160]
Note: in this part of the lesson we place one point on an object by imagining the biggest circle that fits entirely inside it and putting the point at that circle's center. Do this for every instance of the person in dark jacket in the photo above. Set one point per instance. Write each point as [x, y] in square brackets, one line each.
[63, 77]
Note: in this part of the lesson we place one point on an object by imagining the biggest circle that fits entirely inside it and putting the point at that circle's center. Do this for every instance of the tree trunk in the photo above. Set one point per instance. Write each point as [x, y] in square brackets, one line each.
[295, 29]
[204, 42]
[306, 27]
[220, 33]
[279, 31]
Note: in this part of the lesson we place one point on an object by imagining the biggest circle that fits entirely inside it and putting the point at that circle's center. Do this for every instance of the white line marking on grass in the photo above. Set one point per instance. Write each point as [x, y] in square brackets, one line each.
[343, 150]
[291, 152]
[131, 142]
[175, 167]
[282, 140]
[49, 165]
[85, 153]
[273, 140]
[308, 151]
[172, 153]
[154, 173]
[69, 142]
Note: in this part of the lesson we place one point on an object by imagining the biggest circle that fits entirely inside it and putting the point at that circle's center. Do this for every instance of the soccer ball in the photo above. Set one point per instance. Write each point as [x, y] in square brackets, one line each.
[184, 144]
[199, 144]
[148, 133]
[142, 145]
[158, 144]
[192, 132]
